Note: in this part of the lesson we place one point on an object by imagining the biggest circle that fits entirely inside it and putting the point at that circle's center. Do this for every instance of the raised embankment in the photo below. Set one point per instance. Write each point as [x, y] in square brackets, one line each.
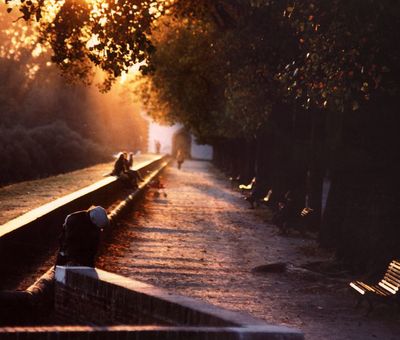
[87, 303]
[31, 239]
[27, 237]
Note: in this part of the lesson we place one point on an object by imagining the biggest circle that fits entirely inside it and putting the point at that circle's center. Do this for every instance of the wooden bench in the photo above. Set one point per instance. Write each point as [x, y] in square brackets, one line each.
[246, 188]
[385, 291]
[267, 199]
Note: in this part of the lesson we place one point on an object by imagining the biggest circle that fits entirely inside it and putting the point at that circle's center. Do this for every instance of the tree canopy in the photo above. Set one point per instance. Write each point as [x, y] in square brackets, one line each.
[218, 83]
[323, 54]
[346, 50]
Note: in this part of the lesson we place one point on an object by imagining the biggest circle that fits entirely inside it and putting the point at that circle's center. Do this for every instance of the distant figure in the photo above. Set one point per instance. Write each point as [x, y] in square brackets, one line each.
[158, 146]
[80, 237]
[180, 158]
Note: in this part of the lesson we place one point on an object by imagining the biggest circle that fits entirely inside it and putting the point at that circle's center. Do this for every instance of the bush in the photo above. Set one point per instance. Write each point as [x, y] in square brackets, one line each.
[29, 153]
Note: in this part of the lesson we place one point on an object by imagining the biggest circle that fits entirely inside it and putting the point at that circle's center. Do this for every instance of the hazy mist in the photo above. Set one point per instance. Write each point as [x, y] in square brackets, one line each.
[49, 126]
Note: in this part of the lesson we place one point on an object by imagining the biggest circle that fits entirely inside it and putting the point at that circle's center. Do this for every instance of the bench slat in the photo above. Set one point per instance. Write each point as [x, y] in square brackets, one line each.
[396, 276]
[396, 263]
[382, 291]
[394, 273]
[387, 286]
[394, 267]
[388, 282]
[370, 289]
[393, 280]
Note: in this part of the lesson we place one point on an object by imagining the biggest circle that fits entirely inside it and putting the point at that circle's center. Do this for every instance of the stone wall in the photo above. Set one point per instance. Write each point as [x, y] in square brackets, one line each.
[88, 295]
[38, 230]
[91, 304]
[101, 299]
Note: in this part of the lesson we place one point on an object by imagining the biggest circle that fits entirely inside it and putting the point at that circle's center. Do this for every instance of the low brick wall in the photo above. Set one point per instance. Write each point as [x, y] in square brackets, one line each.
[125, 332]
[93, 304]
[107, 301]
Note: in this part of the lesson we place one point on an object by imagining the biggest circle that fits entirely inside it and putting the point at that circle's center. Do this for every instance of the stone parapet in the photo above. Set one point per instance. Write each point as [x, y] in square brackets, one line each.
[37, 231]
[107, 301]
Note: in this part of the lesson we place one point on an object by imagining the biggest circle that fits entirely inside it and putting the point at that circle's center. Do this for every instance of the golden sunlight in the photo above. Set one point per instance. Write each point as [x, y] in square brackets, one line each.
[93, 41]
[19, 36]
[131, 73]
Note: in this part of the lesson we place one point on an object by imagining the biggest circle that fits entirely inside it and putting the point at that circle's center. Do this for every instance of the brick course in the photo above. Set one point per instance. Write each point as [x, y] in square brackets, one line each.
[104, 306]
[95, 297]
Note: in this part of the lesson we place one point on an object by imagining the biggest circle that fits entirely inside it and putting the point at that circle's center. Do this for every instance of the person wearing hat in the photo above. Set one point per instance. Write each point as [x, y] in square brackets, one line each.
[80, 237]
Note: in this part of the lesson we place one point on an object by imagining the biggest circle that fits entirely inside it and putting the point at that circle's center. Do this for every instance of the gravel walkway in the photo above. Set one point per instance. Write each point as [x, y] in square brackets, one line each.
[203, 241]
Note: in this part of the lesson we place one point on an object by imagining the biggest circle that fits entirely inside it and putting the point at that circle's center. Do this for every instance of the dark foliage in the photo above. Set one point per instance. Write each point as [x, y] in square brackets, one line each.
[45, 150]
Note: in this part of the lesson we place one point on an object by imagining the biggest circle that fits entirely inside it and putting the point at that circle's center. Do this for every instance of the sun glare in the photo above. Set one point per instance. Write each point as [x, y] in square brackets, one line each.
[131, 73]
[93, 41]
[19, 37]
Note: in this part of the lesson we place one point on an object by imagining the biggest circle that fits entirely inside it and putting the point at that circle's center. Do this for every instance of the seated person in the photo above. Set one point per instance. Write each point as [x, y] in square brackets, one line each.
[122, 169]
[120, 165]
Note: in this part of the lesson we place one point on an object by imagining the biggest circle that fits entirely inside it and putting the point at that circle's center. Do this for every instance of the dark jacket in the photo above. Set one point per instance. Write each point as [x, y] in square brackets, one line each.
[120, 167]
[79, 241]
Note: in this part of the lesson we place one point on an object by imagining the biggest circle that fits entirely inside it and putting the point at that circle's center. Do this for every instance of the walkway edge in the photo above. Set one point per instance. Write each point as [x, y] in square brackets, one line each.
[34, 233]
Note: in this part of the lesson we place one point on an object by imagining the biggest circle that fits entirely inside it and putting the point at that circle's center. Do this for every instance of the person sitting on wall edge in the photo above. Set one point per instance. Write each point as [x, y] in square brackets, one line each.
[122, 169]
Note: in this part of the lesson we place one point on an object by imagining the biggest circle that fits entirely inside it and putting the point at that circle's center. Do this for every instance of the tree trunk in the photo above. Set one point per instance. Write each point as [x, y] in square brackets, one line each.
[361, 218]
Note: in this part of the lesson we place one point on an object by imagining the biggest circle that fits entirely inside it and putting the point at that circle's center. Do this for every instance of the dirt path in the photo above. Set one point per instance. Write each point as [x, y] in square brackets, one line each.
[202, 241]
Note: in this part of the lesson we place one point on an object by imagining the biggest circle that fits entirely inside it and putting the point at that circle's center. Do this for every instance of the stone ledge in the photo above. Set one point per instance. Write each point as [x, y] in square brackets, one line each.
[38, 230]
[51, 207]
[115, 299]
[148, 333]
